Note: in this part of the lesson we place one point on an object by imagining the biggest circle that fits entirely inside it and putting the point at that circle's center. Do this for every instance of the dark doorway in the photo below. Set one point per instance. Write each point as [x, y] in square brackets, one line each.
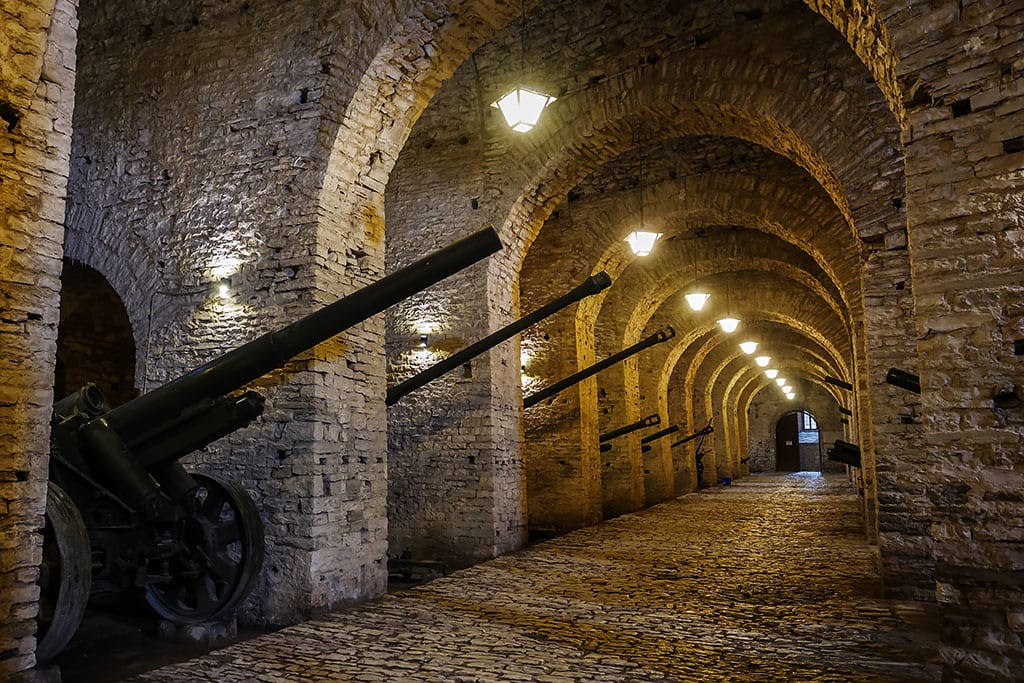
[94, 341]
[797, 443]
[787, 443]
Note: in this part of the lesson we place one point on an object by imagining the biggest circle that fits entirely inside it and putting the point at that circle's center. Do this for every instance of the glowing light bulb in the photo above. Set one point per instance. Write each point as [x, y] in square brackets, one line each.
[522, 107]
[771, 373]
[781, 381]
[728, 325]
[748, 347]
[642, 242]
[763, 361]
[696, 300]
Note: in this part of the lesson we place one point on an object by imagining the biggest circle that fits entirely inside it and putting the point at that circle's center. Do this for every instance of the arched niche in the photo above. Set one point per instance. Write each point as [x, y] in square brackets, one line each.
[94, 340]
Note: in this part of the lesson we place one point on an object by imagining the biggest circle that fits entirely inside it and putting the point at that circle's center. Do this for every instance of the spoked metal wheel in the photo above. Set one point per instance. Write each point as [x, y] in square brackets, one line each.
[223, 538]
[65, 576]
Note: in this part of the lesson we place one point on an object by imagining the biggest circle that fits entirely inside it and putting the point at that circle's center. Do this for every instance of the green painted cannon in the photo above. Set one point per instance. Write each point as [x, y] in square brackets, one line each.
[122, 513]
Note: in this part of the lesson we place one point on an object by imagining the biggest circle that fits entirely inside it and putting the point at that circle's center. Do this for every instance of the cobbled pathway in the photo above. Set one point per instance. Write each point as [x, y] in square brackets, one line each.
[769, 579]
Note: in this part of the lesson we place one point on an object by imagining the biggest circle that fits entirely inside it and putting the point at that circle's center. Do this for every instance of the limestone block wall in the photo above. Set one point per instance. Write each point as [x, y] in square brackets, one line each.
[456, 483]
[37, 83]
[964, 161]
[560, 437]
[203, 142]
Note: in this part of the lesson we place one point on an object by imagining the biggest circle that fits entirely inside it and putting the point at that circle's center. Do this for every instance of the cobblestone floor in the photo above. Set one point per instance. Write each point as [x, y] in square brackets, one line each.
[765, 580]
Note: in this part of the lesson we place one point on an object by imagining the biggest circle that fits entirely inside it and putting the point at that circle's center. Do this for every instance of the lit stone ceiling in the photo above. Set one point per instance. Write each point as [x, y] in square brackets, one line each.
[767, 155]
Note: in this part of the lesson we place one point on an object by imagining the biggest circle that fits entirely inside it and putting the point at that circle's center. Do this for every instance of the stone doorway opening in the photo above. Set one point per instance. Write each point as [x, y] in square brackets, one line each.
[797, 443]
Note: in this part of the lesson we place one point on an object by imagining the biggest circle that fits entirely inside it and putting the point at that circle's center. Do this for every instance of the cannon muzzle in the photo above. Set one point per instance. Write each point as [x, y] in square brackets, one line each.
[845, 452]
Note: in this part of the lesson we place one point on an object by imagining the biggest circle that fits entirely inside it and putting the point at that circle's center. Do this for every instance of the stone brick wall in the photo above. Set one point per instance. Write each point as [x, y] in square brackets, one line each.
[964, 124]
[37, 84]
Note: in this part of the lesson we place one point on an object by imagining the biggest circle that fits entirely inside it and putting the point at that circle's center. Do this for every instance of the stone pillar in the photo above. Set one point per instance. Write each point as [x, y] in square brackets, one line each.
[964, 163]
[37, 86]
[904, 512]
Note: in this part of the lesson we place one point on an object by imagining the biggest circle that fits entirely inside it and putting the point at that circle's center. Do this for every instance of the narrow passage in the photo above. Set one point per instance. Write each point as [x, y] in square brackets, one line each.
[769, 579]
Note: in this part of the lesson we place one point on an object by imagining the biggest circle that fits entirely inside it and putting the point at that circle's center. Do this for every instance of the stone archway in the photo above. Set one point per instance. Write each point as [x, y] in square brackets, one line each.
[94, 339]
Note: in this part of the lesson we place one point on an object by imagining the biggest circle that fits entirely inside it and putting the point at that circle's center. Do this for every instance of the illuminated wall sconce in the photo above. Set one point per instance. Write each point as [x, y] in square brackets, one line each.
[696, 300]
[771, 373]
[728, 325]
[642, 241]
[903, 380]
[423, 341]
[763, 361]
[748, 347]
[839, 383]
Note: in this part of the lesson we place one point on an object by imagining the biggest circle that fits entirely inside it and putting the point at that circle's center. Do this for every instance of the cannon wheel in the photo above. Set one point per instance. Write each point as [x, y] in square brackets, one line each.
[223, 537]
[65, 576]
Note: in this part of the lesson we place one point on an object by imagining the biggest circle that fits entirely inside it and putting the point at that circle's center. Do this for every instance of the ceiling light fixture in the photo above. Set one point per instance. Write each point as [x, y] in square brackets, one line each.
[748, 347]
[642, 241]
[781, 381]
[521, 106]
[728, 324]
[771, 373]
[696, 300]
[763, 361]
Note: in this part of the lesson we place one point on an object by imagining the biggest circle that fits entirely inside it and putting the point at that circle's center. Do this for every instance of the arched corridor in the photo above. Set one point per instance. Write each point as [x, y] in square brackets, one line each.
[274, 201]
[766, 580]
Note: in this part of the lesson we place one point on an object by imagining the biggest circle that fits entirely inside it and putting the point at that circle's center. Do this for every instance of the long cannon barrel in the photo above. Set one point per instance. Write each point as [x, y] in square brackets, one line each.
[702, 432]
[648, 421]
[845, 452]
[903, 380]
[664, 334]
[258, 357]
[592, 285]
[836, 382]
[645, 443]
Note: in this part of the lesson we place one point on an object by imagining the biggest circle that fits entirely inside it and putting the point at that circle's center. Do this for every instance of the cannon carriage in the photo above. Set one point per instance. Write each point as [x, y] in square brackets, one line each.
[122, 512]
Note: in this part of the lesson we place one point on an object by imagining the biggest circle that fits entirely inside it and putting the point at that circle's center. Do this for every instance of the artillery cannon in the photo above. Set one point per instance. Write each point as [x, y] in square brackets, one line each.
[122, 513]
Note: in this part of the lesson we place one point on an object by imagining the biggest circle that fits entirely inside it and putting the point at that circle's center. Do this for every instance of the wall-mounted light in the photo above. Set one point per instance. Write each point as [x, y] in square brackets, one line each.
[642, 241]
[423, 341]
[771, 373]
[763, 361]
[696, 300]
[728, 324]
[521, 106]
[748, 347]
